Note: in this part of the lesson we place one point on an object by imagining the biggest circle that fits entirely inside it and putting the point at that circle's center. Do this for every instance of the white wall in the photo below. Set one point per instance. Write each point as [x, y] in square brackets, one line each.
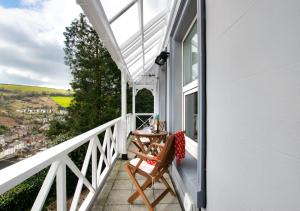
[253, 102]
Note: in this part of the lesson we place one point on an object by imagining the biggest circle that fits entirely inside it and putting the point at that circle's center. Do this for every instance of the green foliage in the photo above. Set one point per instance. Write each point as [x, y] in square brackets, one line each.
[96, 78]
[63, 101]
[144, 101]
[23, 195]
[3, 129]
[57, 128]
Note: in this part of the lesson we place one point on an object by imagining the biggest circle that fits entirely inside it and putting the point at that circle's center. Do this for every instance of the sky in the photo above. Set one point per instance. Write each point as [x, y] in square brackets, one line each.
[32, 41]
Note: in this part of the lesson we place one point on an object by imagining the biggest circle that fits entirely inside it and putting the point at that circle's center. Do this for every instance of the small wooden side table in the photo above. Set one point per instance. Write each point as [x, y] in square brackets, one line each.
[141, 135]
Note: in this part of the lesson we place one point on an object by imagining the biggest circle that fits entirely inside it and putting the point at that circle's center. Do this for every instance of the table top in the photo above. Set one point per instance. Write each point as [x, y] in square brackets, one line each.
[148, 133]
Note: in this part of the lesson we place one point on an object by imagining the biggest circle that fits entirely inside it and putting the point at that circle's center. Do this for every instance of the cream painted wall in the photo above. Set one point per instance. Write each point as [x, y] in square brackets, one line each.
[253, 102]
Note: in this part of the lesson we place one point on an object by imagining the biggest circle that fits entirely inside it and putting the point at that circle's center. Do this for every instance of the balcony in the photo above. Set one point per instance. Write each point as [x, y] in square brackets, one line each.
[118, 187]
[106, 188]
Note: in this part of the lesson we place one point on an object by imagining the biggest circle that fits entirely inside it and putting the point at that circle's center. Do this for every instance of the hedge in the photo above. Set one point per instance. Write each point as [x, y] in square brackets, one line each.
[22, 197]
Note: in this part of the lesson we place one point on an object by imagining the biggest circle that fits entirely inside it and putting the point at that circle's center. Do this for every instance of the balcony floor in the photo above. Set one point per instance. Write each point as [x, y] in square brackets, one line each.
[118, 188]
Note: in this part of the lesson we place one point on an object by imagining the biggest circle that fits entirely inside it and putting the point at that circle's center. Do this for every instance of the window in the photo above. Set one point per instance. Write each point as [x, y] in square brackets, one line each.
[190, 88]
[191, 115]
[190, 56]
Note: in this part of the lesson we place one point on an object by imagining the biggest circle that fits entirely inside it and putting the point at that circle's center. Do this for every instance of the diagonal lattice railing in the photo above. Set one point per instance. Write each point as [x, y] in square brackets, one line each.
[101, 156]
[143, 120]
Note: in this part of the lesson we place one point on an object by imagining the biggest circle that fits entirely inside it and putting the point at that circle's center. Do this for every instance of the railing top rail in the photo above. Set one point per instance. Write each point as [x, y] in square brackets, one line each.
[17, 173]
[144, 114]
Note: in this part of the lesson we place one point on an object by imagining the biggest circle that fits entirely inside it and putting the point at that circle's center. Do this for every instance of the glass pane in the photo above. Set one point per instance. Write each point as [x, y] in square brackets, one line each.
[191, 115]
[112, 7]
[134, 54]
[149, 65]
[136, 66]
[190, 56]
[126, 25]
[151, 54]
[153, 7]
[156, 37]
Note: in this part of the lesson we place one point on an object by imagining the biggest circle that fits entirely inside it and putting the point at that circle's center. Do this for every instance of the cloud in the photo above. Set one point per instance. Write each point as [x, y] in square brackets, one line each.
[31, 42]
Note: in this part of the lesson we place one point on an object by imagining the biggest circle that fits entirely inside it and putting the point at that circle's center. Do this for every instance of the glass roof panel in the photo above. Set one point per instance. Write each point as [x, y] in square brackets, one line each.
[156, 37]
[133, 55]
[149, 64]
[132, 47]
[136, 66]
[153, 7]
[113, 7]
[126, 25]
[151, 53]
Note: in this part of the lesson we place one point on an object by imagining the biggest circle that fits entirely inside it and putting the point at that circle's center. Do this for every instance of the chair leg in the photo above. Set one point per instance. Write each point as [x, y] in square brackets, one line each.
[168, 186]
[159, 198]
[163, 194]
[139, 189]
[136, 194]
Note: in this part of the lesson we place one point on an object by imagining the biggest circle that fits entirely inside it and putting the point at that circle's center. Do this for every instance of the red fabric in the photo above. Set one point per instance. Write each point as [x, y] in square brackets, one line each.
[179, 146]
[153, 162]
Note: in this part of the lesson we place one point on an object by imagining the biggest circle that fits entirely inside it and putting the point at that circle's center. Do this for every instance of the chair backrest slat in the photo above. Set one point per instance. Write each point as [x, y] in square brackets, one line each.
[167, 154]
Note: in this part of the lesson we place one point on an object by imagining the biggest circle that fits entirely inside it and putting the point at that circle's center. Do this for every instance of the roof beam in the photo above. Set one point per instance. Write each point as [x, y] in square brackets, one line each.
[96, 15]
[141, 18]
[130, 4]
[174, 7]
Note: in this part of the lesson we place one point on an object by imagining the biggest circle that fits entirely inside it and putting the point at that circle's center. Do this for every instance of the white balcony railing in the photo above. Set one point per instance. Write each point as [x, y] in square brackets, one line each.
[143, 119]
[58, 159]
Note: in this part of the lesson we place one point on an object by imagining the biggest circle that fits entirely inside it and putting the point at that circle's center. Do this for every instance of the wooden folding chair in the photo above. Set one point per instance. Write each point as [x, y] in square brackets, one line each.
[153, 173]
[140, 143]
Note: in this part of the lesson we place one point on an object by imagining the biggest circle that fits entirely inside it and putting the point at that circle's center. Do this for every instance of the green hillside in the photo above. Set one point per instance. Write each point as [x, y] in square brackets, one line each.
[35, 89]
[63, 101]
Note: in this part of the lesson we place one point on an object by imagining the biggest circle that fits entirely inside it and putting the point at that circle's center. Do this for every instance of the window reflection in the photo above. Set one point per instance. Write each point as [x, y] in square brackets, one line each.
[191, 115]
[190, 56]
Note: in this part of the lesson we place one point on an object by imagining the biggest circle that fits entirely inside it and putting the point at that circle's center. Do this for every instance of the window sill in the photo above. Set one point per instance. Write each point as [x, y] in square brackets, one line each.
[192, 147]
[187, 170]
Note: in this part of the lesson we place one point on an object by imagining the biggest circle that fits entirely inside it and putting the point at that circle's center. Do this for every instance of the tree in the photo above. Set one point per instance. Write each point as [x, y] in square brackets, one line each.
[144, 101]
[97, 89]
[96, 78]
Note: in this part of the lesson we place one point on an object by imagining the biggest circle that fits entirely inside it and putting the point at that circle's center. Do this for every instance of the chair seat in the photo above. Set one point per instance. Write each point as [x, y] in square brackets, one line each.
[144, 166]
[144, 140]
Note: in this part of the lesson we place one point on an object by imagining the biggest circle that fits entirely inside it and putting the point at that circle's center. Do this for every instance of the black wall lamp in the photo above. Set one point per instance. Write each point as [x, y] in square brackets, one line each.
[162, 58]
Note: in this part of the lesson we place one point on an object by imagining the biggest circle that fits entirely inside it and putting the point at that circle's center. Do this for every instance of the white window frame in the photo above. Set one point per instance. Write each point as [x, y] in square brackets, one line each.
[191, 145]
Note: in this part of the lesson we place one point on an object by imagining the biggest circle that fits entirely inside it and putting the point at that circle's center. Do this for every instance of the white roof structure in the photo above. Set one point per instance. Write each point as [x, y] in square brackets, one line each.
[133, 31]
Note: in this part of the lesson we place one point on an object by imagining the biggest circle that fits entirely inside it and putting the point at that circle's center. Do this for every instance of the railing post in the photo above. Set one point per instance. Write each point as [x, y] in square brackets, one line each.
[94, 163]
[122, 142]
[133, 120]
[156, 101]
[61, 194]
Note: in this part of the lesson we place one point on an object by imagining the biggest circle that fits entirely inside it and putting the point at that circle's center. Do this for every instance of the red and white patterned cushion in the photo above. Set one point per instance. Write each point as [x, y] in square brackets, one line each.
[179, 146]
